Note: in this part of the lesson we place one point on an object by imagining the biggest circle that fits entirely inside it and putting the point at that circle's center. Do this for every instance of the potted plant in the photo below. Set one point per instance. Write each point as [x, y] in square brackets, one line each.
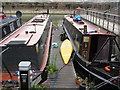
[39, 87]
[78, 79]
[84, 84]
[52, 68]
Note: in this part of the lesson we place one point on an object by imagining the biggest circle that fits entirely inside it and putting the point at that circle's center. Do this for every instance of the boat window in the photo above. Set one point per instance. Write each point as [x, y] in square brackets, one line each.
[11, 27]
[4, 30]
[18, 23]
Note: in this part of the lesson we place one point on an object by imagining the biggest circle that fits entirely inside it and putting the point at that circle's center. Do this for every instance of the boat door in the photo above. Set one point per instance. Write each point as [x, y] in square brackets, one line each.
[86, 46]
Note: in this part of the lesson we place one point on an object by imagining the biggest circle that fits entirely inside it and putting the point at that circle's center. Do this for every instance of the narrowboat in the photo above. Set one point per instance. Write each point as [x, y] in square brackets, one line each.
[31, 42]
[8, 25]
[97, 53]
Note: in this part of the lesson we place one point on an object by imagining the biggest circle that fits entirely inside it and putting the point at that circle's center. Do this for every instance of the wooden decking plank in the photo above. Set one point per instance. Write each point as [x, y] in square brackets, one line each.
[66, 77]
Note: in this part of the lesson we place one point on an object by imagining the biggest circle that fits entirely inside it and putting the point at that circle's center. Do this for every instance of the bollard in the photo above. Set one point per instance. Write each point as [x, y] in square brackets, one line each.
[24, 68]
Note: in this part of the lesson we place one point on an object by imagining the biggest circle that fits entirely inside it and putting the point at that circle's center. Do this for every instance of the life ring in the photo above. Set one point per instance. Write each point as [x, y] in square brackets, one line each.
[107, 68]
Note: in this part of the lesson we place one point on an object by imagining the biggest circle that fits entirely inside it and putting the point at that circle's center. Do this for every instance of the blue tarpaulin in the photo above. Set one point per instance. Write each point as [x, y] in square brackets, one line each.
[77, 18]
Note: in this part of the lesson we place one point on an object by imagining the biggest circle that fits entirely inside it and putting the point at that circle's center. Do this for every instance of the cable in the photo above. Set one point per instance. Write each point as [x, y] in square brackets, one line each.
[5, 65]
[4, 51]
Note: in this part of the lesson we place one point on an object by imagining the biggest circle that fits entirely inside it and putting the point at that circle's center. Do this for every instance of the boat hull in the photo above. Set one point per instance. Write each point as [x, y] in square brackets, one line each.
[93, 75]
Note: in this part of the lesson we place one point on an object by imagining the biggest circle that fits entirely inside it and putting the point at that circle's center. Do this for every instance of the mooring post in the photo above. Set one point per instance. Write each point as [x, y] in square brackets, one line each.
[24, 68]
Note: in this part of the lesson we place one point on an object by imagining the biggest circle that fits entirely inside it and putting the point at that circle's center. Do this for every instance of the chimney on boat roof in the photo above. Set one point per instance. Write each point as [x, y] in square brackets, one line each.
[47, 11]
[85, 29]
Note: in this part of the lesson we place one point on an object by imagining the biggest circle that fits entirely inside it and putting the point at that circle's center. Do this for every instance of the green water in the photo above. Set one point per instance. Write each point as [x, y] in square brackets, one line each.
[54, 18]
[27, 17]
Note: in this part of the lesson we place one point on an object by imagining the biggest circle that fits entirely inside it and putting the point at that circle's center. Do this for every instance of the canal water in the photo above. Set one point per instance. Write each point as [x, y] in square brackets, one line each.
[56, 19]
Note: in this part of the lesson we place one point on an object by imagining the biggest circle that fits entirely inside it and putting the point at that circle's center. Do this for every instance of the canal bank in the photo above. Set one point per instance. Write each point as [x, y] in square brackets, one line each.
[36, 11]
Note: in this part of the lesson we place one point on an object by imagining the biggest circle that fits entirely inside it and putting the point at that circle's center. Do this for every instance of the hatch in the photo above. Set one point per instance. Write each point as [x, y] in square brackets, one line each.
[11, 43]
[38, 20]
[21, 40]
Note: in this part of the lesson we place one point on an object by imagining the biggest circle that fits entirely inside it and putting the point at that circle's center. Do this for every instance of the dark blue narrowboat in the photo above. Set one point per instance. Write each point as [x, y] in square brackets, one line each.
[97, 53]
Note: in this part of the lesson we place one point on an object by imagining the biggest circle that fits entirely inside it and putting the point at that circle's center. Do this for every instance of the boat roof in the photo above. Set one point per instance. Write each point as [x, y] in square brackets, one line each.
[91, 28]
[29, 33]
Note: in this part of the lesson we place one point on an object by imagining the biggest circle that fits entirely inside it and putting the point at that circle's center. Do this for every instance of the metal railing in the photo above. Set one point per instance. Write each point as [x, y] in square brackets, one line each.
[110, 22]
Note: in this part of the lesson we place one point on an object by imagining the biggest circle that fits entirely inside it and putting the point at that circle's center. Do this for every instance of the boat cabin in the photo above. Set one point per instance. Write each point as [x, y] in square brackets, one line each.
[99, 45]
[9, 25]
[89, 39]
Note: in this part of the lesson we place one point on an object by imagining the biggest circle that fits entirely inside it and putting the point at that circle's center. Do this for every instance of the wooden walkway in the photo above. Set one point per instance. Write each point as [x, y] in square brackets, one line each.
[66, 77]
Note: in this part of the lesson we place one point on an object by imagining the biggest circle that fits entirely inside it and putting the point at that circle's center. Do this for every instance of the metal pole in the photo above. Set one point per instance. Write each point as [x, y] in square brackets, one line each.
[113, 23]
[110, 48]
[86, 12]
[104, 17]
[93, 17]
[90, 15]
[96, 17]
[99, 19]
[107, 22]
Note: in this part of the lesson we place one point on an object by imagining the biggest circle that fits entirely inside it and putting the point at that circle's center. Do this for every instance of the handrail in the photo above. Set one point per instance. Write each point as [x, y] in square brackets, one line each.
[105, 20]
